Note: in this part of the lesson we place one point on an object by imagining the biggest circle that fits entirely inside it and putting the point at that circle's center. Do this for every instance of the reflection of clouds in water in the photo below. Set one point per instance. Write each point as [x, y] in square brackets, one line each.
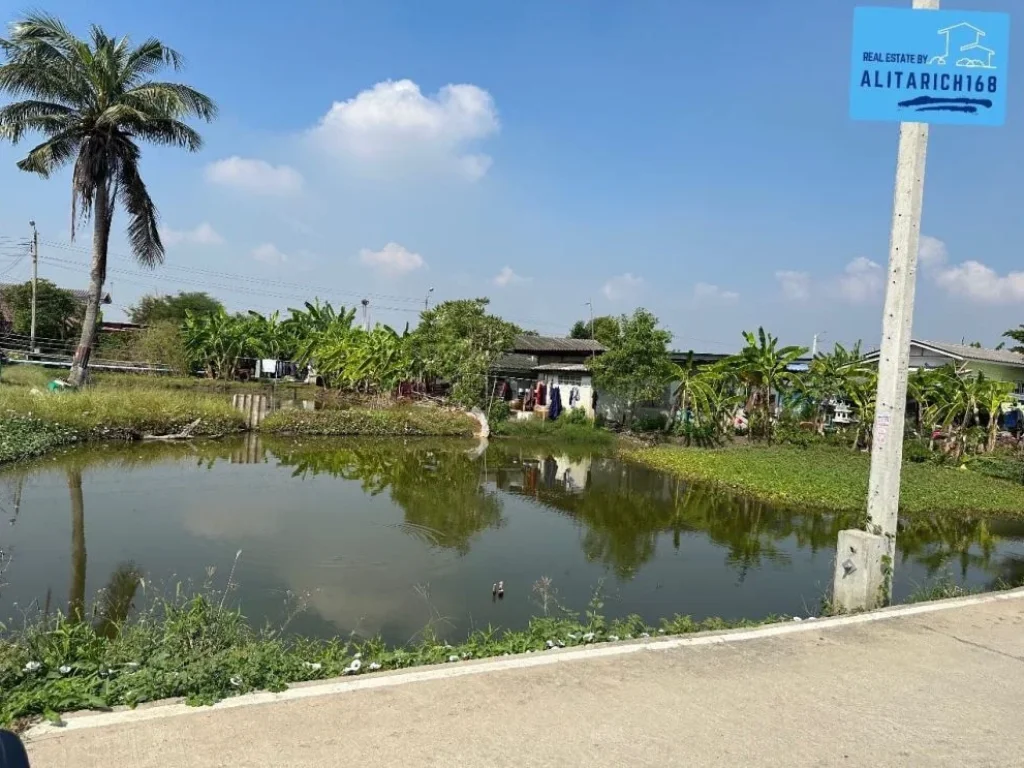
[234, 517]
[351, 556]
[365, 598]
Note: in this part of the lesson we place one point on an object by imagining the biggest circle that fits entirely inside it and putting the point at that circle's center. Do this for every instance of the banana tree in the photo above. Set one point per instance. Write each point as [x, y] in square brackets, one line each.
[863, 393]
[704, 391]
[829, 378]
[214, 341]
[763, 366]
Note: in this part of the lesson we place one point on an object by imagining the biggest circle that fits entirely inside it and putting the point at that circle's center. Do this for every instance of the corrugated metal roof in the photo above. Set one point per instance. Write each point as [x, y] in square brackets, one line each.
[967, 352]
[514, 363]
[534, 344]
[566, 367]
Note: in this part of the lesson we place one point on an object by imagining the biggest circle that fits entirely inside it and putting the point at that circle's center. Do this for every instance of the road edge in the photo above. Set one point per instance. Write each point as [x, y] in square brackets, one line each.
[336, 686]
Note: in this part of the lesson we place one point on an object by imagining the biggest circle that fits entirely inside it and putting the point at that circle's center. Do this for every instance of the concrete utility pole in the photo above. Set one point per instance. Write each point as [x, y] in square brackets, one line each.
[872, 553]
[366, 313]
[35, 280]
[426, 301]
[814, 344]
[591, 305]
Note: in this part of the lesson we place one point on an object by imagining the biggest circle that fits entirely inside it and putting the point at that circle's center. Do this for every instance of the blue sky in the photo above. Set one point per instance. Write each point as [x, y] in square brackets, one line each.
[695, 159]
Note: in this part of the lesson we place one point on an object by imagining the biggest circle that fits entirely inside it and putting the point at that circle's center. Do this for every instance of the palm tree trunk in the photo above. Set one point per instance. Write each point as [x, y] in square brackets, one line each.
[102, 215]
[76, 592]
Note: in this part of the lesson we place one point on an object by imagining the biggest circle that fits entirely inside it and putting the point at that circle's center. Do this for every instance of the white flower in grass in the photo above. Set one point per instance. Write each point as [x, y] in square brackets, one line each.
[33, 666]
[65, 669]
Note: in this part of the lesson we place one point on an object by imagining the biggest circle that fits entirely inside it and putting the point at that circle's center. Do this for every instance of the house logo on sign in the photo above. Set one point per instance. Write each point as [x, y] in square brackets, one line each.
[966, 39]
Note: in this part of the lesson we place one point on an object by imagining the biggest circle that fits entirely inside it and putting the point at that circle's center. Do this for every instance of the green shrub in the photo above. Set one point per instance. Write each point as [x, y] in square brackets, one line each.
[917, 452]
[498, 412]
[702, 435]
[1004, 467]
[790, 433]
[403, 421]
[649, 423]
[575, 416]
[569, 428]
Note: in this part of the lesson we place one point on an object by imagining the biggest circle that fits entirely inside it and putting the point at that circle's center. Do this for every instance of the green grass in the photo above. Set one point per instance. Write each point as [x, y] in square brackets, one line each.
[186, 383]
[390, 422]
[195, 647]
[560, 430]
[26, 376]
[31, 424]
[832, 478]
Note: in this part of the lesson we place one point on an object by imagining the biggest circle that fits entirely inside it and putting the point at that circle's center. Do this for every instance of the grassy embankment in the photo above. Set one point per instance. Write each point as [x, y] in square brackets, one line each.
[562, 431]
[833, 478]
[196, 647]
[401, 421]
[34, 423]
[126, 407]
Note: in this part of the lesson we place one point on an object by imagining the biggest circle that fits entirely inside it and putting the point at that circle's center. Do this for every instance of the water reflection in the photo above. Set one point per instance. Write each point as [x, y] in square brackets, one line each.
[76, 593]
[383, 535]
[440, 490]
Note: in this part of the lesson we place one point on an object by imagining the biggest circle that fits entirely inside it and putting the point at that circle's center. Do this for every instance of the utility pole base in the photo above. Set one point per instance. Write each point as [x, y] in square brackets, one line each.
[863, 576]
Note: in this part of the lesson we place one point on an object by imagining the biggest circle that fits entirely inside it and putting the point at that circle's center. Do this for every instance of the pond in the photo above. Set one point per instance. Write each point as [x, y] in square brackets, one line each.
[346, 536]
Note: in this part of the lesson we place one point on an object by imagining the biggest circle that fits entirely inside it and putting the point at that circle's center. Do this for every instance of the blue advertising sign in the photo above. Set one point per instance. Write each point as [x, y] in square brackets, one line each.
[929, 66]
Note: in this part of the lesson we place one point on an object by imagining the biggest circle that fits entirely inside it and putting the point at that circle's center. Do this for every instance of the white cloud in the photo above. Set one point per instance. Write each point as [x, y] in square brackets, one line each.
[268, 253]
[706, 292]
[796, 286]
[257, 176]
[393, 125]
[978, 282]
[204, 234]
[393, 260]
[508, 277]
[623, 287]
[861, 281]
[969, 279]
[932, 252]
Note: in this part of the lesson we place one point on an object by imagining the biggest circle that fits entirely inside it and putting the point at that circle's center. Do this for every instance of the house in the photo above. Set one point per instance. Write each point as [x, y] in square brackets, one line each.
[998, 364]
[978, 57]
[959, 37]
[551, 360]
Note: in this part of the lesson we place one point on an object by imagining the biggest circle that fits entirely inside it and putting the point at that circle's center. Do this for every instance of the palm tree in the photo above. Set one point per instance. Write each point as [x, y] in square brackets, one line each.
[93, 101]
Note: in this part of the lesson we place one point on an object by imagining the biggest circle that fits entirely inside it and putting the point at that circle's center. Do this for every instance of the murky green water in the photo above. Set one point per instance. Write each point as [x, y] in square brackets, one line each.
[385, 536]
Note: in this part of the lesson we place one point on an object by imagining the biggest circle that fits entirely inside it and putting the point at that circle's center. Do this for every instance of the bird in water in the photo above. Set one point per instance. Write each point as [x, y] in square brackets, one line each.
[501, 589]
[494, 589]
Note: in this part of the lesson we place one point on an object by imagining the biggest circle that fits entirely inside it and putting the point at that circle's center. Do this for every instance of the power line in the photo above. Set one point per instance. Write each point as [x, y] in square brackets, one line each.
[80, 267]
[247, 278]
[15, 263]
[287, 290]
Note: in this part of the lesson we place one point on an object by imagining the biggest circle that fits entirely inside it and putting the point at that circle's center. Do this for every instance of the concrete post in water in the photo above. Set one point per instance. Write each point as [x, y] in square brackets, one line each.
[864, 560]
[253, 407]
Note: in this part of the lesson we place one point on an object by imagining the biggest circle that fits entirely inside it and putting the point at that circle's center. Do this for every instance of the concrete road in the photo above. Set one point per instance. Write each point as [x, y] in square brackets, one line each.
[931, 685]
